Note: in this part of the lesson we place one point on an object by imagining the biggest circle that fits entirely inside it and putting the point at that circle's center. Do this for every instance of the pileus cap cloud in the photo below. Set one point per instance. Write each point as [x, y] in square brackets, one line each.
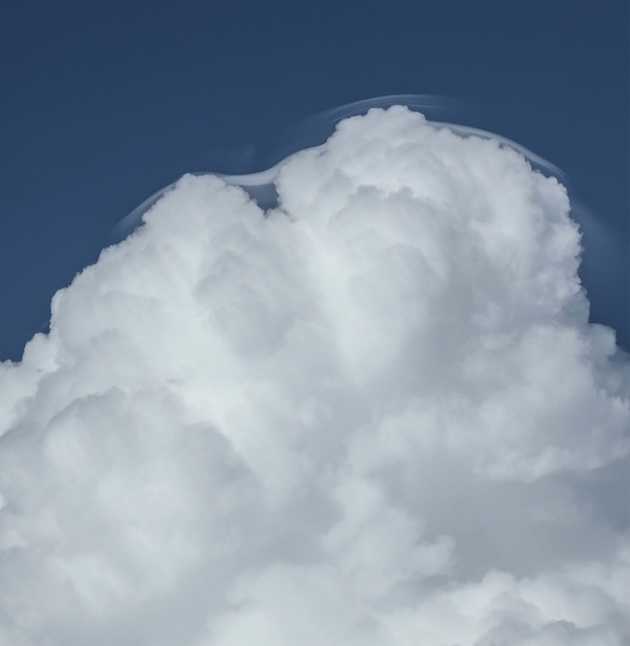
[378, 415]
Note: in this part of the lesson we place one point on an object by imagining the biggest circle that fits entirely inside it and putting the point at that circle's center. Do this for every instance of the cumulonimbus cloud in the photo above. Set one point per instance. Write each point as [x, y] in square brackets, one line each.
[378, 415]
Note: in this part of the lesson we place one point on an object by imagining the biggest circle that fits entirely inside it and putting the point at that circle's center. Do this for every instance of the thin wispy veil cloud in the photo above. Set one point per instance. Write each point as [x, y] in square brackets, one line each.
[376, 414]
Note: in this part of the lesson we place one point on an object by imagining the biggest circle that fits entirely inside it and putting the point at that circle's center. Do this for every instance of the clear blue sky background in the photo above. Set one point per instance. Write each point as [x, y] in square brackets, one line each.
[104, 103]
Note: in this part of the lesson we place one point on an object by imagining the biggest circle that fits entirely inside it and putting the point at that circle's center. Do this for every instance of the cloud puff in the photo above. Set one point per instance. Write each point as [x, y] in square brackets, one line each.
[374, 415]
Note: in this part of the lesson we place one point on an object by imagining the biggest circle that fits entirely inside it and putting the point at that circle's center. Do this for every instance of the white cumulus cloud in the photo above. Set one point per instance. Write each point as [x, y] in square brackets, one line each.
[376, 415]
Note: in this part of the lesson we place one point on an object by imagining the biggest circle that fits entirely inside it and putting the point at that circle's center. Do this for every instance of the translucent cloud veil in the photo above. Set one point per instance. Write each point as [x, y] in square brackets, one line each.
[603, 256]
[315, 130]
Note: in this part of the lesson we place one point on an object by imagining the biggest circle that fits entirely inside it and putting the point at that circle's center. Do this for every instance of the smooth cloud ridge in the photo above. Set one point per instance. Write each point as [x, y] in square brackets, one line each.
[378, 415]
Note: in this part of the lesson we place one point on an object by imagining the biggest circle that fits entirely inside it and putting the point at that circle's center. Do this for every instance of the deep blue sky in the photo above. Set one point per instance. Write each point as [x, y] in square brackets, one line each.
[104, 103]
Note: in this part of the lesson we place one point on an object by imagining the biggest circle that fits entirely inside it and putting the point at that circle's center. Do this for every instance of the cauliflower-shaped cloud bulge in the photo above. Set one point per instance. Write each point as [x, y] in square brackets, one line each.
[376, 415]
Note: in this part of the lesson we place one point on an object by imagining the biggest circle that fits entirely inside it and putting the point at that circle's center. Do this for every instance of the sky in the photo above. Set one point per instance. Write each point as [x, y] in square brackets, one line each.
[390, 406]
[104, 105]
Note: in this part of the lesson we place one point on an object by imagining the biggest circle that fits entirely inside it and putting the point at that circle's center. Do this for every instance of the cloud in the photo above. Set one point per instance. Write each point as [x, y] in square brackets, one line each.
[376, 414]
